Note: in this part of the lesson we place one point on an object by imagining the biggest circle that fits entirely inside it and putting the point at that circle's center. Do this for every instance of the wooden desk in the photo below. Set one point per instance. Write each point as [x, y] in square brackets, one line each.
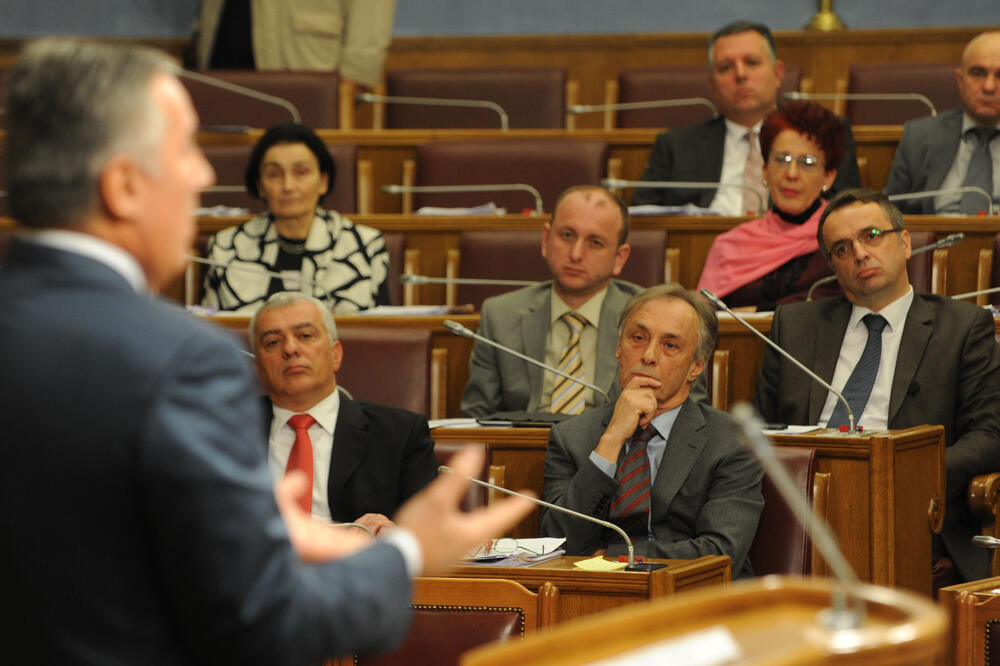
[886, 492]
[585, 592]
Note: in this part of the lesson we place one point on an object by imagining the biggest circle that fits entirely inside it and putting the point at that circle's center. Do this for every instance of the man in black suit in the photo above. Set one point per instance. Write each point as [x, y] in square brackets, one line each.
[366, 459]
[745, 76]
[937, 360]
[137, 519]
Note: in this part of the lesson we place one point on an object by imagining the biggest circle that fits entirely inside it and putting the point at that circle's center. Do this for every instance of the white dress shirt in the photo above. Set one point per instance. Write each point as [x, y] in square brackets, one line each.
[729, 200]
[876, 413]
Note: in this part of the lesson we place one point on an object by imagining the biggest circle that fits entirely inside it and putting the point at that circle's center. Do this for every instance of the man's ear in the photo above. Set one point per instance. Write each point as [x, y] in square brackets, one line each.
[123, 187]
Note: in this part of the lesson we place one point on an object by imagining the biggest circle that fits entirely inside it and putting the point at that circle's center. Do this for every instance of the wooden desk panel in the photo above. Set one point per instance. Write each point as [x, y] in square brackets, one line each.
[585, 592]
[886, 492]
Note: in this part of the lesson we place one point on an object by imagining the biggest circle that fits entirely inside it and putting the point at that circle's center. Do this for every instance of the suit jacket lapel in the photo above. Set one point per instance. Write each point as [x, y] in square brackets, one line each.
[686, 441]
[942, 150]
[534, 333]
[713, 145]
[349, 444]
[833, 319]
[916, 333]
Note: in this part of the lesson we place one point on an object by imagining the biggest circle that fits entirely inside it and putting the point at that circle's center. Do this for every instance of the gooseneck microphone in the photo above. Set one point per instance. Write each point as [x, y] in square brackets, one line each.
[440, 101]
[842, 615]
[408, 278]
[717, 302]
[632, 566]
[242, 90]
[866, 97]
[258, 270]
[457, 189]
[458, 329]
[577, 109]
[947, 241]
[950, 190]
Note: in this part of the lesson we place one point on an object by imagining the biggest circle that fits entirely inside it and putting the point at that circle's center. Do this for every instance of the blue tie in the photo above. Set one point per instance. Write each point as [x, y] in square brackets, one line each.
[859, 385]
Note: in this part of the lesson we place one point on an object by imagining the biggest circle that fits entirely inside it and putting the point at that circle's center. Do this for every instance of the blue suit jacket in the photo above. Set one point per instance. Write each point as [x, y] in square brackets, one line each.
[137, 521]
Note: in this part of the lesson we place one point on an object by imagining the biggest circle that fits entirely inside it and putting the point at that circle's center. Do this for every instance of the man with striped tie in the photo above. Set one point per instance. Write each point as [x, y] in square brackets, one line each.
[668, 470]
[568, 322]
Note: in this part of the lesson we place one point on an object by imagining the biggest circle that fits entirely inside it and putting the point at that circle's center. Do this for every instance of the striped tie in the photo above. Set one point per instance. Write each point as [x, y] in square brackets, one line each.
[630, 510]
[567, 395]
[859, 385]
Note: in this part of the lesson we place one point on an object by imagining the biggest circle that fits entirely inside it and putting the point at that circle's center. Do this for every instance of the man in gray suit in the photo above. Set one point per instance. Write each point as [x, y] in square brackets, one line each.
[936, 359]
[745, 74]
[939, 152]
[671, 472]
[138, 519]
[585, 246]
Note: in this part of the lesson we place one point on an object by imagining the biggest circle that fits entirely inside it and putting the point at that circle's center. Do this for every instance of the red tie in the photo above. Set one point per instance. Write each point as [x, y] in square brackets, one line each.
[301, 456]
[630, 509]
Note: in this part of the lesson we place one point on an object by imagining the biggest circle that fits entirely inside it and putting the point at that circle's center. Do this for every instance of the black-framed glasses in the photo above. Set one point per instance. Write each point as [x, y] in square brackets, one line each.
[806, 162]
[870, 237]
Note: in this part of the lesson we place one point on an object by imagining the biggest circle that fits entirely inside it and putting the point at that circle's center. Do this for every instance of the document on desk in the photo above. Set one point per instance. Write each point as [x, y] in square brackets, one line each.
[508, 552]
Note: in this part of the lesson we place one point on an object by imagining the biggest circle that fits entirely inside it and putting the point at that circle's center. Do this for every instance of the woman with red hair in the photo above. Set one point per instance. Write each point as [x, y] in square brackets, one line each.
[774, 259]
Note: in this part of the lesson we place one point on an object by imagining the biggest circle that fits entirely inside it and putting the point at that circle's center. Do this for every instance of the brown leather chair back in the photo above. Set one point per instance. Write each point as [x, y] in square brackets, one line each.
[919, 267]
[550, 166]
[934, 80]
[387, 366]
[230, 161]
[314, 94]
[641, 84]
[516, 255]
[782, 545]
[532, 97]
[454, 615]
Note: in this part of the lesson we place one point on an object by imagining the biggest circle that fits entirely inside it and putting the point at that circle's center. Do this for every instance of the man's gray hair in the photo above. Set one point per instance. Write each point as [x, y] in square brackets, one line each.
[284, 299]
[708, 321]
[71, 105]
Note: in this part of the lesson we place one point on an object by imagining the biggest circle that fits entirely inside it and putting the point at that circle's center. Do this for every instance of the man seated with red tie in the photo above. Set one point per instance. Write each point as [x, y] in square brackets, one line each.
[365, 460]
[668, 470]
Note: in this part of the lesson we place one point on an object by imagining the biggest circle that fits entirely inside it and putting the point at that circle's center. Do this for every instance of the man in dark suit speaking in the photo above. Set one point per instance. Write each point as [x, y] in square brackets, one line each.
[364, 460]
[137, 519]
[901, 359]
[669, 471]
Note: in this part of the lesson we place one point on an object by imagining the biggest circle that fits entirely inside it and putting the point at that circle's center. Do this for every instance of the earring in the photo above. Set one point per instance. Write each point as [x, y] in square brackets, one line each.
[826, 188]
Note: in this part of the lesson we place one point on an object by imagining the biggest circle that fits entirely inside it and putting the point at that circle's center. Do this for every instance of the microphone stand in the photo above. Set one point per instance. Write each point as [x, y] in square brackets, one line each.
[867, 97]
[577, 109]
[241, 90]
[408, 278]
[452, 189]
[718, 302]
[951, 190]
[439, 101]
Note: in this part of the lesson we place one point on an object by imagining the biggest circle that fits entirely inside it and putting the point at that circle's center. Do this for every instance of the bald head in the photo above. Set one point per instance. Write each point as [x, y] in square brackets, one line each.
[979, 79]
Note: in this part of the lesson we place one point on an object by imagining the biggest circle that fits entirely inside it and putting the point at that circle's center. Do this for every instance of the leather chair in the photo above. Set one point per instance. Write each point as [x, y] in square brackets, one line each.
[454, 615]
[314, 94]
[516, 255]
[396, 367]
[550, 166]
[782, 545]
[641, 84]
[477, 495]
[533, 98]
[934, 80]
[230, 161]
[927, 271]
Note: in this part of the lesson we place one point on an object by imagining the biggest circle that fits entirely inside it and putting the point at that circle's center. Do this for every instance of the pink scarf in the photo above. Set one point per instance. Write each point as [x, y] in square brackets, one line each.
[754, 249]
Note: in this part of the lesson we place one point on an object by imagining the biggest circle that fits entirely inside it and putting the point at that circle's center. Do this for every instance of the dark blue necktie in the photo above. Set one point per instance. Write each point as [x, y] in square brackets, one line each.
[859, 385]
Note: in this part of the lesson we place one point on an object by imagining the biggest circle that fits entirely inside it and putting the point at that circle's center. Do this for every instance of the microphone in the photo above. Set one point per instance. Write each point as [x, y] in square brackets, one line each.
[841, 615]
[866, 97]
[616, 184]
[951, 190]
[241, 90]
[458, 329]
[947, 241]
[407, 278]
[439, 101]
[632, 566]
[257, 270]
[577, 109]
[452, 189]
[717, 302]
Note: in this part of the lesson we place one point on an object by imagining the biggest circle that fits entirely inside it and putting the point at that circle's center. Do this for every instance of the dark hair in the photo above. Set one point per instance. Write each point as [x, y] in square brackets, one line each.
[708, 320]
[812, 120]
[71, 105]
[289, 133]
[861, 196]
[735, 28]
[611, 196]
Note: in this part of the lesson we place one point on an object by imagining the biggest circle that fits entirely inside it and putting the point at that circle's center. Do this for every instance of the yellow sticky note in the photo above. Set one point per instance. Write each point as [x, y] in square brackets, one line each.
[599, 564]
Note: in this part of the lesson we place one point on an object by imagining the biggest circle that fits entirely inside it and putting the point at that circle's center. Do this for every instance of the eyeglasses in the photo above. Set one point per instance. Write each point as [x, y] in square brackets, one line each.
[870, 237]
[807, 162]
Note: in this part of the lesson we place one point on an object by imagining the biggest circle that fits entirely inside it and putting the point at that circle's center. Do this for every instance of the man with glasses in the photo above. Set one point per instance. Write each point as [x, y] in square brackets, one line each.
[901, 359]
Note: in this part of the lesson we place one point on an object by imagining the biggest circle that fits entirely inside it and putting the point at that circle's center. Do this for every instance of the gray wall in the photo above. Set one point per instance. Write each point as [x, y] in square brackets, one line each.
[173, 18]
